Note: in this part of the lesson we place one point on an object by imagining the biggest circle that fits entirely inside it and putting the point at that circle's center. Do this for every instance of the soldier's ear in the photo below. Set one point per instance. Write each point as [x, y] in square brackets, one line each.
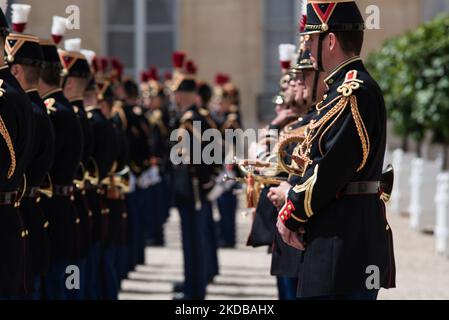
[15, 70]
[332, 41]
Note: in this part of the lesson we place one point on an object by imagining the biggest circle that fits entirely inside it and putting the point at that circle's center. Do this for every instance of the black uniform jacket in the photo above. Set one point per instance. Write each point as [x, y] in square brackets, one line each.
[60, 210]
[346, 235]
[16, 128]
[37, 171]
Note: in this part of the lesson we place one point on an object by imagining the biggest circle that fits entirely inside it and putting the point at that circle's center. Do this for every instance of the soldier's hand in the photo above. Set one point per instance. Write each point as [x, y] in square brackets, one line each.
[277, 195]
[284, 116]
[289, 237]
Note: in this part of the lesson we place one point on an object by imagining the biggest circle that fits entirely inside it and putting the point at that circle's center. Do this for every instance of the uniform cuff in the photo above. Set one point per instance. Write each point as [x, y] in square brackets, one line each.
[288, 217]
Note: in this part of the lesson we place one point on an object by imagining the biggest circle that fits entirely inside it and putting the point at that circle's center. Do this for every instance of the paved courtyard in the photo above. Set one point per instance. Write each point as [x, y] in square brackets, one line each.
[421, 273]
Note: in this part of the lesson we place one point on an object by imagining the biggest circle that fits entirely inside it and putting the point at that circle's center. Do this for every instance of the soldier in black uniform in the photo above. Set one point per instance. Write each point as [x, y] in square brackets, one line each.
[137, 132]
[154, 100]
[285, 259]
[104, 155]
[68, 147]
[16, 130]
[204, 97]
[25, 58]
[193, 183]
[336, 205]
[162, 124]
[115, 192]
[76, 75]
[227, 117]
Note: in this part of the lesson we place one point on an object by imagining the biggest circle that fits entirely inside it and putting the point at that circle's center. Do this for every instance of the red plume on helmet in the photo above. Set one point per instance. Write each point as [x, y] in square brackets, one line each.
[118, 67]
[191, 68]
[144, 77]
[96, 64]
[221, 79]
[168, 76]
[178, 59]
[153, 74]
[100, 64]
[104, 63]
[302, 23]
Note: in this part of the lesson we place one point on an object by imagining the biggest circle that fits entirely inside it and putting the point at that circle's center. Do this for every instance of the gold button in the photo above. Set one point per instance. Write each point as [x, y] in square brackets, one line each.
[23, 235]
[78, 221]
[90, 213]
[289, 207]
[388, 227]
[72, 198]
[46, 224]
[125, 216]
[26, 232]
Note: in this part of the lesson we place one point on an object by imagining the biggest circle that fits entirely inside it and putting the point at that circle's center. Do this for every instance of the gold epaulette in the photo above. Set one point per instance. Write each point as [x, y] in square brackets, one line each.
[137, 111]
[156, 119]
[204, 112]
[117, 109]
[187, 116]
[232, 117]
[231, 122]
[234, 109]
[50, 105]
[350, 84]
[7, 137]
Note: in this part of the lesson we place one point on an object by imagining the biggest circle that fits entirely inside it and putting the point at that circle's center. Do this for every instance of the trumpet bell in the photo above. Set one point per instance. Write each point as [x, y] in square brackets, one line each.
[386, 183]
[289, 149]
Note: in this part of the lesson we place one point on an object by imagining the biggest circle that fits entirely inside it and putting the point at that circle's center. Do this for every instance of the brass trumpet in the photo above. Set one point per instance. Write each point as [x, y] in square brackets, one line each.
[119, 180]
[255, 180]
[297, 166]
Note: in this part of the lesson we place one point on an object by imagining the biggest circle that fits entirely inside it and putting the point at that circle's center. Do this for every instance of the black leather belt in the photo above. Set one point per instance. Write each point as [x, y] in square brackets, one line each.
[361, 188]
[62, 191]
[8, 198]
[31, 193]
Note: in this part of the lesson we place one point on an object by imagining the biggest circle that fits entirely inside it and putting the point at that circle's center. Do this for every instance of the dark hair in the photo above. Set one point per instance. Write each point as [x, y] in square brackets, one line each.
[351, 42]
[205, 93]
[51, 75]
[131, 89]
[32, 73]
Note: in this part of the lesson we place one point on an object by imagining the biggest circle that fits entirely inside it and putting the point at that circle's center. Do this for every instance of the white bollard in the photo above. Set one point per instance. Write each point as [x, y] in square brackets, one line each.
[400, 198]
[423, 180]
[442, 214]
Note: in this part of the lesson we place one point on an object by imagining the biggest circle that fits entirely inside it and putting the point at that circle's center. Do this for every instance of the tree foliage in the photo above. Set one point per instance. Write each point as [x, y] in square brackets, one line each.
[413, 72]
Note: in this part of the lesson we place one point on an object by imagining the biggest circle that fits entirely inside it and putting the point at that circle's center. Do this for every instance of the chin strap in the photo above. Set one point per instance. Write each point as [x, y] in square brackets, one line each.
[315, 86]
[320, 52]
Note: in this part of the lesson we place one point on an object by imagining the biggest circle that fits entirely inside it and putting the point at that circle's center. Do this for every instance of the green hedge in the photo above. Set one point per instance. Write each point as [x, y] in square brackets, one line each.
[413, 72]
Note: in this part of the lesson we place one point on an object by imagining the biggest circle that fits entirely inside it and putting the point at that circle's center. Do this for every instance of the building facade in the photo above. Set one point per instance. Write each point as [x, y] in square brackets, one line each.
[238, 37]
